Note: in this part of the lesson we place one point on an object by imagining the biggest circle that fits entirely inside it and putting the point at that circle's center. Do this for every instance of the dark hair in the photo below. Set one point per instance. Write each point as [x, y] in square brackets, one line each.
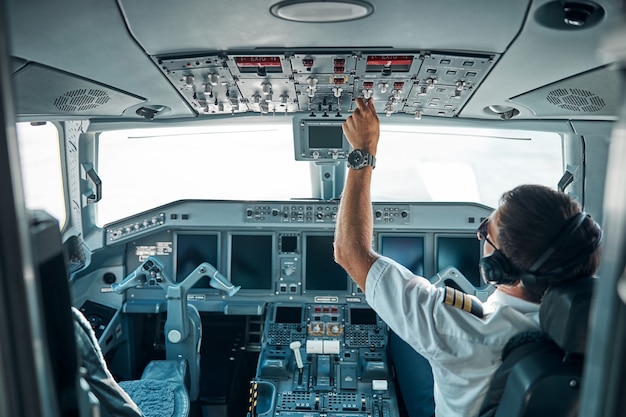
[528, 220]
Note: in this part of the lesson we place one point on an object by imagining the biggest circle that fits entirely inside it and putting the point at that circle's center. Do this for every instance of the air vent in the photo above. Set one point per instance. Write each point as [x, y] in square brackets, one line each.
[575, 99]
[81, 100]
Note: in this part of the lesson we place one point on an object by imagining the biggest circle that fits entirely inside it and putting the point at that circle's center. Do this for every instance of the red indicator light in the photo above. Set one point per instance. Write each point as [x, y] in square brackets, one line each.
[339, 80]
[390, 60]
[307, 62]
[339, 70]
[339, 62]
[398, 85]
[257, 61]
[368, 84]
[388, 64]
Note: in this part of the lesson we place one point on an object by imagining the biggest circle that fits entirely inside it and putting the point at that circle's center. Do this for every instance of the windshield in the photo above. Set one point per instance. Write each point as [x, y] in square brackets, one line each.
[428, 166]
[142, 169]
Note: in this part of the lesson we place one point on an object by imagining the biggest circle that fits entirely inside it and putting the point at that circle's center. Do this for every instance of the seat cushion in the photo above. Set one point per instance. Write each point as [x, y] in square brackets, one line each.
[162, 389]
[155, 398]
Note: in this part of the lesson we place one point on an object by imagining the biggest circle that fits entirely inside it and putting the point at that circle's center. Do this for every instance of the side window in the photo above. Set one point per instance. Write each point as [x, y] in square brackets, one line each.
[40, 161]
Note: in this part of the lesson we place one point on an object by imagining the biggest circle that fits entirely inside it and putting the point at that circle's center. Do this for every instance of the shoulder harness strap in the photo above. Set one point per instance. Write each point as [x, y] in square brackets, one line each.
[463, 301]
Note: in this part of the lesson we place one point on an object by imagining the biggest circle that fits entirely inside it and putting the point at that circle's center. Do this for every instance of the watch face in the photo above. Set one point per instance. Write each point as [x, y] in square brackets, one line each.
[355, 158]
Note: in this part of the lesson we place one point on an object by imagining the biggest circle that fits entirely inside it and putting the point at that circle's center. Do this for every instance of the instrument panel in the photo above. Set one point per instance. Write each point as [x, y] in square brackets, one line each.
[283, 251]
[320, 359]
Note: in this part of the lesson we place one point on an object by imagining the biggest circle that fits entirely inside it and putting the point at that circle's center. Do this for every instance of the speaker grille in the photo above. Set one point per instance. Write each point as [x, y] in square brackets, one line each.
[81, 100]
[575, 99]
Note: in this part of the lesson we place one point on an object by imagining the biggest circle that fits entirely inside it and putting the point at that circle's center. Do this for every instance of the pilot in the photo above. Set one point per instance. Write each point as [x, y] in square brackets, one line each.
[536, 237]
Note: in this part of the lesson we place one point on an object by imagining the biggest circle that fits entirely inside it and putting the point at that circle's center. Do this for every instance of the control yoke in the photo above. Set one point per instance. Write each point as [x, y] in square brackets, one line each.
[177, 323]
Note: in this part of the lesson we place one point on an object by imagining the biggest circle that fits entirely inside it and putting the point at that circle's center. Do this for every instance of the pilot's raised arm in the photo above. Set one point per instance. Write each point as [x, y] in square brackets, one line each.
[353, 234]
[535, 238]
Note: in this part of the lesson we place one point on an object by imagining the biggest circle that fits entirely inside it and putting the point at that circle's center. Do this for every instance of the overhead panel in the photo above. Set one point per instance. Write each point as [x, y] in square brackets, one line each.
[325, 84]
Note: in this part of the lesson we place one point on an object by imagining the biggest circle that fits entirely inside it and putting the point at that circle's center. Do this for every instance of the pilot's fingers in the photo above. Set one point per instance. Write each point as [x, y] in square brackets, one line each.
[361, 103]
[371, 107]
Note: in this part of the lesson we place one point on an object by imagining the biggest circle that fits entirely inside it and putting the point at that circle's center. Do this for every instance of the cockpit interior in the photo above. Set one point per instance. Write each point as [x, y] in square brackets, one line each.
[191, 156]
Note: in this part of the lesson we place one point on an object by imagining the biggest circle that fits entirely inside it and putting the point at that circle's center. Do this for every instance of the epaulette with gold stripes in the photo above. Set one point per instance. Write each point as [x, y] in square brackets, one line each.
[463, 301]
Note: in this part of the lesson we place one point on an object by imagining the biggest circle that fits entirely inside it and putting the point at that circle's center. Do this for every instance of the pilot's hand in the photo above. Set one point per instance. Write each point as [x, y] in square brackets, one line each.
[362, 128]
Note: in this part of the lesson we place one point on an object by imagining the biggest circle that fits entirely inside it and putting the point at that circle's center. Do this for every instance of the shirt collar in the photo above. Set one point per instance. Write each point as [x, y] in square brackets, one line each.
[523, 306]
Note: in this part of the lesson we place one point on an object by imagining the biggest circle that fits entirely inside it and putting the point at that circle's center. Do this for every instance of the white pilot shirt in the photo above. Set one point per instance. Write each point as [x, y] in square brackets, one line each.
[463, 349]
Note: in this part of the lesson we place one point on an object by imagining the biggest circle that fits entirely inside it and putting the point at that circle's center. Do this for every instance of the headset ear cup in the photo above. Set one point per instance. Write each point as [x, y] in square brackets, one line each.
[496, 269]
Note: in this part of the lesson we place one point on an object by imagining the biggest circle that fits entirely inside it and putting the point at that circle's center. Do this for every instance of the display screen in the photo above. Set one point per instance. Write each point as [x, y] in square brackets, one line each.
[191, 251]
[325, 137]
[322, 272]
[362, 316]
[251, 262]
[463, 253]
[288, 315]
[408, 251]
[289, 244]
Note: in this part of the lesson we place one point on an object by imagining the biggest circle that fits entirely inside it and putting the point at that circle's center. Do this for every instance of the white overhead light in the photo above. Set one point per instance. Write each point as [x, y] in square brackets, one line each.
[320, 11]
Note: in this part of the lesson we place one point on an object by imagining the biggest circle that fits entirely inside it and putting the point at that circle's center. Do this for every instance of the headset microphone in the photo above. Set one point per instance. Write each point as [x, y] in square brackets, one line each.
[496, 268]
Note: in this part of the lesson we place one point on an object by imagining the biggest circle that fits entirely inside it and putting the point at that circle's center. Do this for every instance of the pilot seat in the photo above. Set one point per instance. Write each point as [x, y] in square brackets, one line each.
[541, 372]
[73, 347]
[162, 390]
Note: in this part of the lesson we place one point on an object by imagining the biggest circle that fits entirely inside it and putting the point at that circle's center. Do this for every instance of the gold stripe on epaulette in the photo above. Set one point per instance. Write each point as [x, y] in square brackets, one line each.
[463, 301]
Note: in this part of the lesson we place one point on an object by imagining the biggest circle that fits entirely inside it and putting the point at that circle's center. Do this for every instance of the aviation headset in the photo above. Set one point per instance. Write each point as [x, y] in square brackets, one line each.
[497, 269]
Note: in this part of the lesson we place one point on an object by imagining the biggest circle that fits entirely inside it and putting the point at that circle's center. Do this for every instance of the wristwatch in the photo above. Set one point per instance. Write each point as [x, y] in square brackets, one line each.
[358, 159]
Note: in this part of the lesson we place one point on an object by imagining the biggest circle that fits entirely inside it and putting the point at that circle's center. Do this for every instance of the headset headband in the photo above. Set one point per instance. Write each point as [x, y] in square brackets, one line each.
[566, 232]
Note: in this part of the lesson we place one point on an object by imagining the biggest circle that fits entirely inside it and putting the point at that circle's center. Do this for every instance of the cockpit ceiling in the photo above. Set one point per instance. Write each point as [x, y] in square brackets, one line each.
[152, 58]
[164, 27]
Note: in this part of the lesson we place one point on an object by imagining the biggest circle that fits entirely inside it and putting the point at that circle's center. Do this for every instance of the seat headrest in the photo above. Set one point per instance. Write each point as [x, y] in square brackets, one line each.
[564, 313]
